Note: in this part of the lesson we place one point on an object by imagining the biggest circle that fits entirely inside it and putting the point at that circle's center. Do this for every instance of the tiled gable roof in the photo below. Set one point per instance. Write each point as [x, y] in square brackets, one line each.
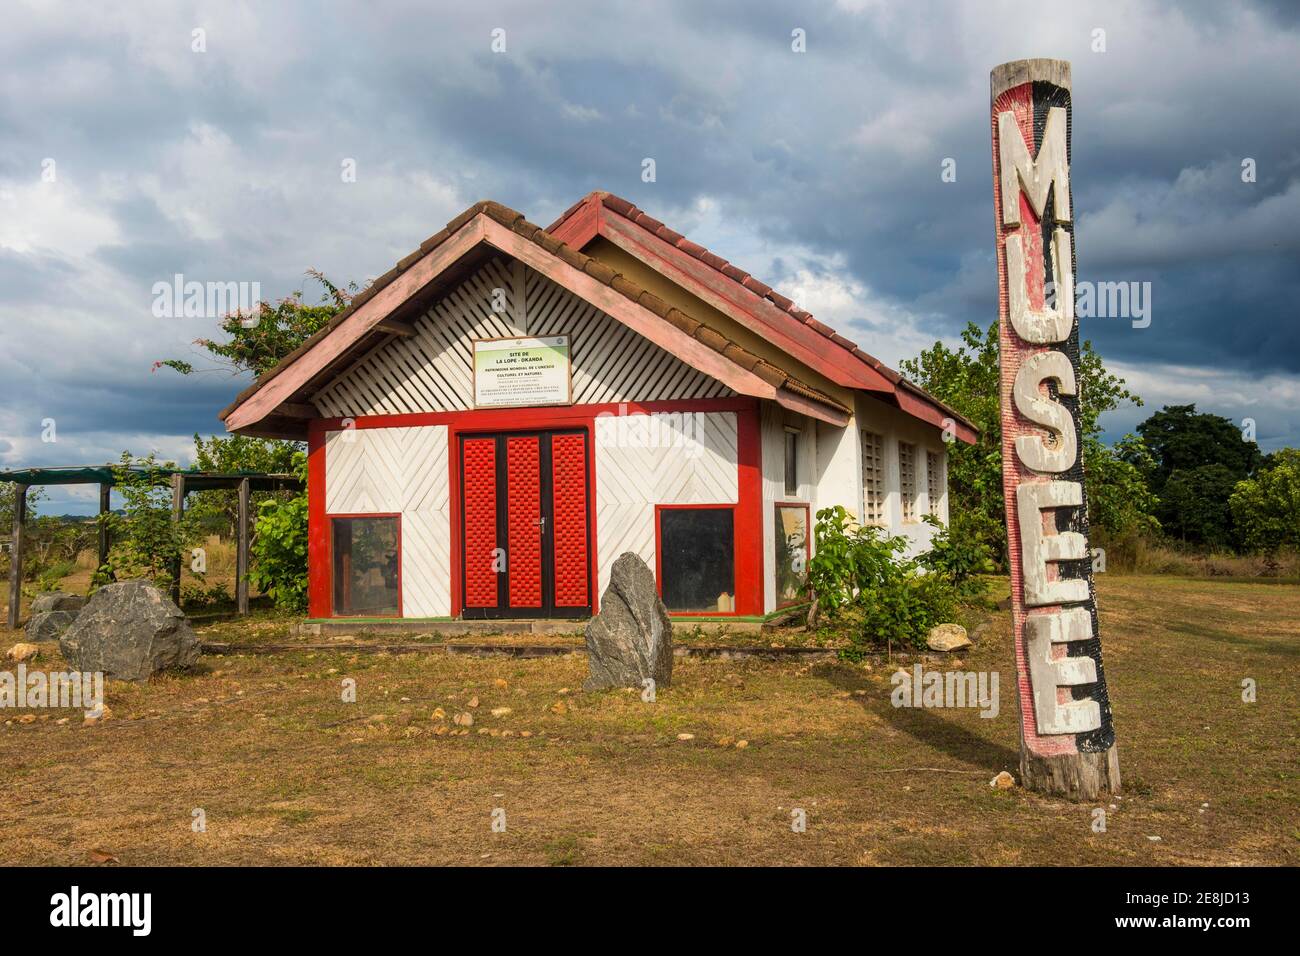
[516, 222]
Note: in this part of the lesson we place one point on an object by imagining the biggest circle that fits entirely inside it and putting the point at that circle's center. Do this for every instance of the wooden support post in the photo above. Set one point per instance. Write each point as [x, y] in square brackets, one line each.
[1067, 738]
[16, 555]
[178, 508]
[241, 549]
[105, 490]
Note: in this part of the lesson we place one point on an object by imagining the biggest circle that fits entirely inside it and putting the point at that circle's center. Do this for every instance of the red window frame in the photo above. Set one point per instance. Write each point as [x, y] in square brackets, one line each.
[736, 570]
[329, 534]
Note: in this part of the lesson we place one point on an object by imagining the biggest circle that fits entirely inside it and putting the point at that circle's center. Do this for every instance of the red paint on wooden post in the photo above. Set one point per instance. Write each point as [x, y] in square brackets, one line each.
[1067, 738]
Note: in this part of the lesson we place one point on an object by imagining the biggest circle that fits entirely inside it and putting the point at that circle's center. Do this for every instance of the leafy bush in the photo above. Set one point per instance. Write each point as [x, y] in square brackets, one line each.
[145, 540]
[53, 573]
[860, 572]
[279, 547]
[196, 597]
[957, 557]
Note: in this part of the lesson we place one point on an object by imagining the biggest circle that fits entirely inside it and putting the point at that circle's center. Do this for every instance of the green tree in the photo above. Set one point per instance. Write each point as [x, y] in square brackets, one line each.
[218, 509]
[1199, 458]
[1266, 508]
[256, 344]
[145, 539]
[968, 379]
[279, 549]
[258, 341]
[1179, 437]
[1120, 501]
[1194, 505]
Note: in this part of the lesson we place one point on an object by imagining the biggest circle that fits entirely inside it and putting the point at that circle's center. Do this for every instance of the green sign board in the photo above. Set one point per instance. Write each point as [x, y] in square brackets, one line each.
[510, 373]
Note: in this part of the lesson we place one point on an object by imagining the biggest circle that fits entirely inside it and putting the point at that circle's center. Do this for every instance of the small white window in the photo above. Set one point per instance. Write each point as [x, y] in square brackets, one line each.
[907, 479]
[791, 463]
[934, 480]
[873, 479]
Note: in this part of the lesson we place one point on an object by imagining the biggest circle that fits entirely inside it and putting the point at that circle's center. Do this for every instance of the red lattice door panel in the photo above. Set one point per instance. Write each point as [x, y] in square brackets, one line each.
[571, 557]
[480, 497]
[524, 520]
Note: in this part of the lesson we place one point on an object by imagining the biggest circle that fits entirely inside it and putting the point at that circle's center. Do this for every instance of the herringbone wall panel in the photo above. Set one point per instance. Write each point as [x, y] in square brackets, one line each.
[401, 470]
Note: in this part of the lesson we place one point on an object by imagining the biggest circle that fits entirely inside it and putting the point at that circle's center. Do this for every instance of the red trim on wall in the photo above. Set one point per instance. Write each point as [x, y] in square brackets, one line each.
[749, 505]
[749, 513]
[522, 419]
[318, 542]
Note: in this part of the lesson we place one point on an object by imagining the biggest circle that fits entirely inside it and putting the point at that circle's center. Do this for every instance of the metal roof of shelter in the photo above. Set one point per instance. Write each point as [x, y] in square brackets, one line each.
[108, 474]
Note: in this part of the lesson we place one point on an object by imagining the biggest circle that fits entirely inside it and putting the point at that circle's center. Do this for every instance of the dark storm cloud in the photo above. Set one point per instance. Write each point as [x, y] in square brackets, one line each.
[818, 170]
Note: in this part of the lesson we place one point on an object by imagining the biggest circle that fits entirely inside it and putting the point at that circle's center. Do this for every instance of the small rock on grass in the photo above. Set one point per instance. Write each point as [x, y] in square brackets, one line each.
[23, 651]
[1003, 781]
[685, 736]
[947, 637]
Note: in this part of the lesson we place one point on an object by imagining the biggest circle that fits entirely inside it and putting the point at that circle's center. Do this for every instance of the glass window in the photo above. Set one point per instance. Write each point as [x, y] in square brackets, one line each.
[791, 463]
[873, 479]
[791, 553]
[697, 559]
[907, 479]
[365, 566]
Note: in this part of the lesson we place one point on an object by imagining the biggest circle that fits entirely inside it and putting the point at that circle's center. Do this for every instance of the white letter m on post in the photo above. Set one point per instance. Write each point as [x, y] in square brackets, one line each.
[1036, 177]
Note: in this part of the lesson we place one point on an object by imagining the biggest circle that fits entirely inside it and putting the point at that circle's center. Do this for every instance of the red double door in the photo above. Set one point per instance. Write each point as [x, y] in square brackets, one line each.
[526, 525]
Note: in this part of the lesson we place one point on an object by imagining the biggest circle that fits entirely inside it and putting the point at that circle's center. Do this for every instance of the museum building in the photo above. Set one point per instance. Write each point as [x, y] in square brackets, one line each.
[491, 423]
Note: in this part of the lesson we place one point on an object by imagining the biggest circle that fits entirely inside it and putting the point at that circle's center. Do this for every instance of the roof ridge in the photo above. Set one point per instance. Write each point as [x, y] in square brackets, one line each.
[746, 280]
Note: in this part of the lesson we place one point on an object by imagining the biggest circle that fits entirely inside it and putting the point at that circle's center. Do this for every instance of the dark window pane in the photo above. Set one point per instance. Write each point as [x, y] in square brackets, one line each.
[365, 567]
[697, 559]
[791, 463]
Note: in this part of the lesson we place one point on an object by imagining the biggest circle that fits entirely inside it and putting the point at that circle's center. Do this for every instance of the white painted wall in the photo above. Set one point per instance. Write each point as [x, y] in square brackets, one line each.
[774, 420]
[403, 471]
[644, 460]
[830, 472]
[896, 426]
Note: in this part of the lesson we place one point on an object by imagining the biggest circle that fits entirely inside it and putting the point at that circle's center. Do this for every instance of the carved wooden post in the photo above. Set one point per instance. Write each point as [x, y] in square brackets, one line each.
[105, 490]
[1067, 741]
[241, 549]
[16, 555]
[178, 509]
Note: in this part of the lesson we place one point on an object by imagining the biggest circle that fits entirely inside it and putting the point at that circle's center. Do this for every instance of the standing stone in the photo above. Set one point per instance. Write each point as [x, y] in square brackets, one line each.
[632, 637]
[130, 631]
[49, 625]
[57, 601]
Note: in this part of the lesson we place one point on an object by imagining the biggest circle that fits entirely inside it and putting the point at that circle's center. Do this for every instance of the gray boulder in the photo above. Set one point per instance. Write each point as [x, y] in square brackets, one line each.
[48, 625]
[57, 601]
[632, 637]
[130, 631]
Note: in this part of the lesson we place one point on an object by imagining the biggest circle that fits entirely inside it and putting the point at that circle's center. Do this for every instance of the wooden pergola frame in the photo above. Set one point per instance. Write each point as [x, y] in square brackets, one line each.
[182, 482]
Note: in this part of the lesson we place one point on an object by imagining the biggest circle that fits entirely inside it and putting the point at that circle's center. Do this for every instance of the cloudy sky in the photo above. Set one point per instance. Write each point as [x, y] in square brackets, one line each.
[127, 156]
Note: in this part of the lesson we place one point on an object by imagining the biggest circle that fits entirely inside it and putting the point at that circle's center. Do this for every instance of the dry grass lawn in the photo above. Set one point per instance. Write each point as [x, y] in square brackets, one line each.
[287, 773]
